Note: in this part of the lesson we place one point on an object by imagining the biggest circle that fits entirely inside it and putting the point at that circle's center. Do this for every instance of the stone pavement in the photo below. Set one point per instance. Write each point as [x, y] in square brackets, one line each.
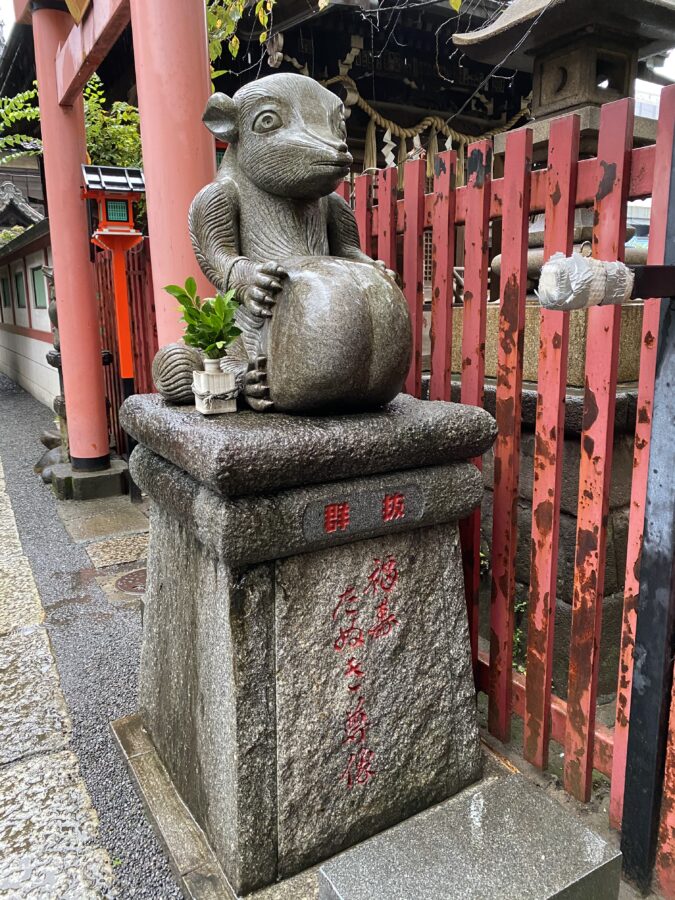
[48, 827]
[71, 824]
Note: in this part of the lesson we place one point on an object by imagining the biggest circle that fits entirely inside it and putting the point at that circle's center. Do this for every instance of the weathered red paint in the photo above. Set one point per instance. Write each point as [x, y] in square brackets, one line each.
[344, 189]
[612, 190]
[650, 328]
[476, 263]
[475, 204]
[665, 854]
[563, 154]
[363, 208]
[641, 180]
[518, 163]
[442, 278]
[387, 189]
[413, 264]
[602, 752]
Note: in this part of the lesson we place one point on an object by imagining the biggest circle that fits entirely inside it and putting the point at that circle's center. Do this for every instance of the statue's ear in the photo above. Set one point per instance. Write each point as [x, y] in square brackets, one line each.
[221, 117]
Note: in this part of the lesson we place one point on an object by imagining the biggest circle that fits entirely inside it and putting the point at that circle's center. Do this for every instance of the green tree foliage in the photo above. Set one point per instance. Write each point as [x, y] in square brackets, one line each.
[113, 135]
[8, 234]
[15, 113]
[222, 19]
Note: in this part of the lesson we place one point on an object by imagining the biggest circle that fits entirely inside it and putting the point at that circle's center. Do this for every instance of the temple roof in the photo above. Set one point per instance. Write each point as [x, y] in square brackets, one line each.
[650, 22]
[14, 208]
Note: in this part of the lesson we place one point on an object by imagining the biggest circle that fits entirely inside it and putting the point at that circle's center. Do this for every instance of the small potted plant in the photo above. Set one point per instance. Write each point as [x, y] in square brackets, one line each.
[210, 327]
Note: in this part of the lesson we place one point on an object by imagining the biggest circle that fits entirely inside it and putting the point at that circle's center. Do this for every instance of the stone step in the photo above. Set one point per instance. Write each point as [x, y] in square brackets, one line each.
[501, 839]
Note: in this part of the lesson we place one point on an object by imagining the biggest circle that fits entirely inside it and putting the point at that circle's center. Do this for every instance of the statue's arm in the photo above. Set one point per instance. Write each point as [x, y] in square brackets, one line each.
[214, 230]
[343, 232]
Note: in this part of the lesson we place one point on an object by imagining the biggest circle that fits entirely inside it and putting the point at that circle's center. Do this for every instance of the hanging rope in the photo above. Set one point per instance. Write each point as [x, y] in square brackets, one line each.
[427, 122]
[434, 124]
[370, 152]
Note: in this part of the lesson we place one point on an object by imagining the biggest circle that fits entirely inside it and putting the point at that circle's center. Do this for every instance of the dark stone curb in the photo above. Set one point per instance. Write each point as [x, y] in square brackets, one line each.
[71, 484]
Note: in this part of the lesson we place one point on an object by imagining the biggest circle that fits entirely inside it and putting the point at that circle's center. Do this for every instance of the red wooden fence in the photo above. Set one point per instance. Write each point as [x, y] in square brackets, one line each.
[604, 183]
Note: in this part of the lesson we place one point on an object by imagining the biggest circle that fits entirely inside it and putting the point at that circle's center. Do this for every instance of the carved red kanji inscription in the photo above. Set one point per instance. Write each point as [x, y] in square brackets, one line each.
[393, 507]
[336, 517]
[358, 769]
[384, 577]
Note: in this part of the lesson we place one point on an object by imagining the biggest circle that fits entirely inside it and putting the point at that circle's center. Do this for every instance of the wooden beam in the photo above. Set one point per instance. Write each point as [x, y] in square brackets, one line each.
[87, 46]
[22, 11]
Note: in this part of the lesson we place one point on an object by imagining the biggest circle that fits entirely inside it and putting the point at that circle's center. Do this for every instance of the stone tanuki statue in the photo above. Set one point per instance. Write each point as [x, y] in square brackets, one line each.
[324, 328]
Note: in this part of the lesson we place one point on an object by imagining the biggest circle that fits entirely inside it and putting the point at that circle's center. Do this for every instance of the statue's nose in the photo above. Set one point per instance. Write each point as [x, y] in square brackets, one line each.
[342, 147]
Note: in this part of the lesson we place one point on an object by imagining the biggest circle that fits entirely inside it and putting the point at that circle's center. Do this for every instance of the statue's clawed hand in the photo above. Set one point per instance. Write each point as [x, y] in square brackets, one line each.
[390, 272]
[256, 284]
[256, 390]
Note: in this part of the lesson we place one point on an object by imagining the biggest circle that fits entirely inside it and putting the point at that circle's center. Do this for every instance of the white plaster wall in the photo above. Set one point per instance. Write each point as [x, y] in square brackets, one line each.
[23, 360]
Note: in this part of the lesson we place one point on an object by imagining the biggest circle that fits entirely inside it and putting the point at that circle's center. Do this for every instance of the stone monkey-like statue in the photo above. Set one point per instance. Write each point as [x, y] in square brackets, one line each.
[323, 326]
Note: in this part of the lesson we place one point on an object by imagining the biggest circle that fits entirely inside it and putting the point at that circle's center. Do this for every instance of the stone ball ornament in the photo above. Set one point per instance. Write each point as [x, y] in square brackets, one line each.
[172, 372]
[324, 327]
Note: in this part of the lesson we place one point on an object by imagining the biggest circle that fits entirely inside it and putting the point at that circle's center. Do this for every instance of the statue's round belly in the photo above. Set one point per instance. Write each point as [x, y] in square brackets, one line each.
[339, 338]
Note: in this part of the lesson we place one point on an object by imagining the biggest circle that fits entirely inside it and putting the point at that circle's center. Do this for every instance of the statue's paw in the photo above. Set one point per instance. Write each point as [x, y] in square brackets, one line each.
[259, 294]
[381, 264]
[256, 391]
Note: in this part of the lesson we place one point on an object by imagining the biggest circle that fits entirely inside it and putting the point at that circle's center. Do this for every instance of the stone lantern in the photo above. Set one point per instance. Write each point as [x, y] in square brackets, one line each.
[581, 54]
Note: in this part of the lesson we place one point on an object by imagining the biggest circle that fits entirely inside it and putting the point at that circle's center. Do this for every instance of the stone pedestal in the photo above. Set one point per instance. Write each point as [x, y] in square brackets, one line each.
[306, 674]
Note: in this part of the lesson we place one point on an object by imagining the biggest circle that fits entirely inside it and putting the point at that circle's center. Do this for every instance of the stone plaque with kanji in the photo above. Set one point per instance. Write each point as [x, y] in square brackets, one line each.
[374, 699]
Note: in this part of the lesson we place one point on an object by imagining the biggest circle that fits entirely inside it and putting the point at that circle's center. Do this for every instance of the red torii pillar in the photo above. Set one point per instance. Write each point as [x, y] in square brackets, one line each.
[173, 83]
[64, 152]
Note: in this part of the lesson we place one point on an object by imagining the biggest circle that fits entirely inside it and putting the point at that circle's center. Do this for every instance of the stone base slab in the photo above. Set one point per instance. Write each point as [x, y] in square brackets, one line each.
[248, 453]
[502, 839]
[72, 484]
[192, 861]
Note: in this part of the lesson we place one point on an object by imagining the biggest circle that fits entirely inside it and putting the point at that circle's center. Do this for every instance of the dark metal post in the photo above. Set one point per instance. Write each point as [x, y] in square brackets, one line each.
[655, 635]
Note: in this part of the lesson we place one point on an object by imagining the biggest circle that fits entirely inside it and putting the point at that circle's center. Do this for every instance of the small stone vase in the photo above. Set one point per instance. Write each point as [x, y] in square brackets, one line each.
[214, 391]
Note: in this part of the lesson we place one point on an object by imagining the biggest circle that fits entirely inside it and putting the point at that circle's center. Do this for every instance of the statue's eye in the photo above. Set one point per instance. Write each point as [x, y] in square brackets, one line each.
[267, 121]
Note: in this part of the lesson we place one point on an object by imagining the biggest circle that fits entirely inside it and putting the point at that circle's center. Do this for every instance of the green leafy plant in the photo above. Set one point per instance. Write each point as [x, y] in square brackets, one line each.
[113, 135]
[15, 115]
[222, 19]
[8, 234]
[210, 322]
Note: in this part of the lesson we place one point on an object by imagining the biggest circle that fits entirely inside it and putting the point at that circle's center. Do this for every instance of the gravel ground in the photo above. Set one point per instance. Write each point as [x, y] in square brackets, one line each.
[96, 646]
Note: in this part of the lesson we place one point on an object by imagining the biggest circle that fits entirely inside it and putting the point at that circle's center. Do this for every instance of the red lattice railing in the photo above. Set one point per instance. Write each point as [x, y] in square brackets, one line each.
[604, 183]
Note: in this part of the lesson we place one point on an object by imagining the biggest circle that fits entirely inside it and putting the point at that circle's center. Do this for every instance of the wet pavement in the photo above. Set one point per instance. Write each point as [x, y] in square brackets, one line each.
[71, 824]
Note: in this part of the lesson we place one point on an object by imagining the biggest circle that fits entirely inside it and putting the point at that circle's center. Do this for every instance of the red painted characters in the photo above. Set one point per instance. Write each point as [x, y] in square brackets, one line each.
[360, 765]
[393, 507]
[336, 517]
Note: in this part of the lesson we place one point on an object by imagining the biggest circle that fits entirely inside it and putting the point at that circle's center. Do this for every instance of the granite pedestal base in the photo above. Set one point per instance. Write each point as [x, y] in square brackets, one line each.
[306, 676]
